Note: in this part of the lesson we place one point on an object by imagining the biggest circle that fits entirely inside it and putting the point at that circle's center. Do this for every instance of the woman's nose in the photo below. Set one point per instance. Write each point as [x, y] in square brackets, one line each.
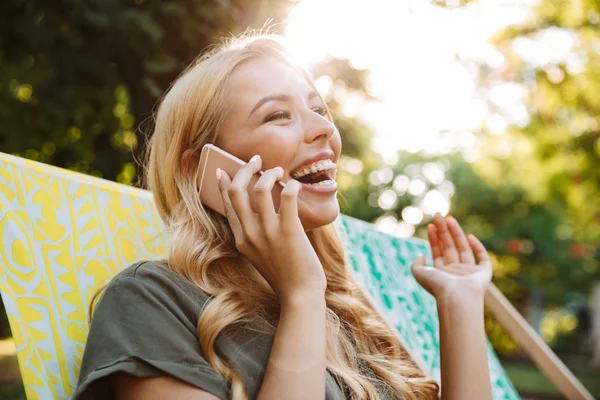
[318, 127]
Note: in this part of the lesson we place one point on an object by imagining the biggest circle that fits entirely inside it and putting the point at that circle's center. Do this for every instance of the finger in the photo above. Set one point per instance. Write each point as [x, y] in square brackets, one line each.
[460, 240]
[263, 195]
[423, 274]
[436, 249]
[447, 244]
[479, 250]
[224, 181]
[238, 190]
[288, 208]
[420, 261]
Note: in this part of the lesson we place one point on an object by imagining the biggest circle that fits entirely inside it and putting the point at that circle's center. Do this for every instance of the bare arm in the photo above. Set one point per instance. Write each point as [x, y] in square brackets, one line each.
[127, 387]
[458, 283]
[463, 352]
[296, 368]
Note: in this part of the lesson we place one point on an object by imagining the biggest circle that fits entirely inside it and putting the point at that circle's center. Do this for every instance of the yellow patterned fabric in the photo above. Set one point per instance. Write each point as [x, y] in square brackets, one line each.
[63, 235]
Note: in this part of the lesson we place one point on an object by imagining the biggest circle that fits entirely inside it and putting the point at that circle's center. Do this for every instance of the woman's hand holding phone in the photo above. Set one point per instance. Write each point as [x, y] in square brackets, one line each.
[275, 243]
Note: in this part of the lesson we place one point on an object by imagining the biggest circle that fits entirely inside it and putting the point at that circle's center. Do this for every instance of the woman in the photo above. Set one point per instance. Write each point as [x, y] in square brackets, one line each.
[261, 304]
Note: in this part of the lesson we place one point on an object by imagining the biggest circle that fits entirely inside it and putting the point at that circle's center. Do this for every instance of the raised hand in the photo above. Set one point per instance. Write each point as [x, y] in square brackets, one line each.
[455, 268]
[275, 243]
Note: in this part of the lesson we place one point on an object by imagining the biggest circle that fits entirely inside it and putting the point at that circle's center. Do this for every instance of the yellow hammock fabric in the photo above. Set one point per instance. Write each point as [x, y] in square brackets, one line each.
[64, 234]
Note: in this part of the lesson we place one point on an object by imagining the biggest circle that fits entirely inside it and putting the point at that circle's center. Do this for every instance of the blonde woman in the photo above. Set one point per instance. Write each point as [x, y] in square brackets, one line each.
[261, 305]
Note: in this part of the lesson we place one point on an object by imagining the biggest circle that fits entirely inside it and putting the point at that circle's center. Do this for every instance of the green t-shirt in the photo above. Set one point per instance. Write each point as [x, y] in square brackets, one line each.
[145, 324]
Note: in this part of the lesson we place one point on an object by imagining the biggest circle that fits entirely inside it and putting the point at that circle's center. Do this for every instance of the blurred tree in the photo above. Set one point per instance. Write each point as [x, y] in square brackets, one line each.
[531, 193]
[78, 78]
[551, 147]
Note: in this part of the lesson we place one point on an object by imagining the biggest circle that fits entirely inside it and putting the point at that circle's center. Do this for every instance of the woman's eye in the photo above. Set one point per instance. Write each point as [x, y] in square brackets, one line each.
[277, 115]
[320, 110]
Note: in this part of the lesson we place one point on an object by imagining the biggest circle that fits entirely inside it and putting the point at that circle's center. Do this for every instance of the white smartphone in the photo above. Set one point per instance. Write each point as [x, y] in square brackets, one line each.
[212, 158]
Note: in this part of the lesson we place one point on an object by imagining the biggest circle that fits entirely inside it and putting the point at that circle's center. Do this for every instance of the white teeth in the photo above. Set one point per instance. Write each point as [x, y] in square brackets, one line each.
[326, 182]
[322, 165]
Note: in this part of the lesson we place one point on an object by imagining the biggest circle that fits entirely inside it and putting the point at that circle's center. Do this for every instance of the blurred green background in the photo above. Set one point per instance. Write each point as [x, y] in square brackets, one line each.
[78, 82]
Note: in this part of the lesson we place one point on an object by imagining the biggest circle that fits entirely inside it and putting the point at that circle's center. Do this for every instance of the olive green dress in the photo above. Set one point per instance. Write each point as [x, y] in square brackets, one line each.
[145, 325]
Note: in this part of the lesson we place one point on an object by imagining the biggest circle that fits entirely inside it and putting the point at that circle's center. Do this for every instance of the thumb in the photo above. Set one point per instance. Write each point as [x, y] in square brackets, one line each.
[421, 273]
[420, 260]
[418, 268]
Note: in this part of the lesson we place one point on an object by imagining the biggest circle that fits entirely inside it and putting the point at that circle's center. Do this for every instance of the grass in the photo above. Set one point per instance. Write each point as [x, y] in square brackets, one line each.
[12, 392]
[11, 386]
[529, 380]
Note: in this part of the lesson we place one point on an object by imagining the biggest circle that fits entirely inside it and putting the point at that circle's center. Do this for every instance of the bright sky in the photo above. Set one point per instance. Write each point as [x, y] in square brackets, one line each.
[410, 47]
[427, 100]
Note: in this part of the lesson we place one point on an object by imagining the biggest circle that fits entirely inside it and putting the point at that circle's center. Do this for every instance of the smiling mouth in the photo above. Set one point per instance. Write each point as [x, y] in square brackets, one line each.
[319, 173]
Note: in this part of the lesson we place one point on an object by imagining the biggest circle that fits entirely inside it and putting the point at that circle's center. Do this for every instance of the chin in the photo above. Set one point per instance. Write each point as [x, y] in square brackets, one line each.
[319, 214]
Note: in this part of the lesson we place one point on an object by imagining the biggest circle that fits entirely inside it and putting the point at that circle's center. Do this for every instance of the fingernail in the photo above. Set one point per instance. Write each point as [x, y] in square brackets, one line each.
[218, 173]
[278, 168]
[254, 158]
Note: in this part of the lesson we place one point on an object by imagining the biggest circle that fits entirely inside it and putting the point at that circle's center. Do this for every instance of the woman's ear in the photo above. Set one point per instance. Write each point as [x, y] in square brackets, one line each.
[189, 161]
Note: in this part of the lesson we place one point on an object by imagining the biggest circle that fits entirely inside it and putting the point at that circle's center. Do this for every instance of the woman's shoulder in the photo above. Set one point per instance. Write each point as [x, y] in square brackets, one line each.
[154, 280]
[145, 324]
[154, 273]
[148, 269]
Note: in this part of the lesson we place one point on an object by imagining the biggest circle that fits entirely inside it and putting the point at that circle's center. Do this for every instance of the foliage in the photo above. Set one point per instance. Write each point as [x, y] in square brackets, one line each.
[78, 78]
[532, 193]
[553, 153]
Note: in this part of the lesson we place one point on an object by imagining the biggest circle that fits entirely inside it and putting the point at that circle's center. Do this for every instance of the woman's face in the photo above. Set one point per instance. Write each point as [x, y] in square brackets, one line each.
[278, 115]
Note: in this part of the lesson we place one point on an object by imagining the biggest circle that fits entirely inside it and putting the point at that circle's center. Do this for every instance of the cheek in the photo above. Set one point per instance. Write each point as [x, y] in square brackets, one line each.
[269, 144]
[277, 151]
[276, 146]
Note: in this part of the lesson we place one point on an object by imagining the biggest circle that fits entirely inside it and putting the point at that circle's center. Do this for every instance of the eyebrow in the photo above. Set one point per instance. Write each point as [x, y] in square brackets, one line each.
[278, 97]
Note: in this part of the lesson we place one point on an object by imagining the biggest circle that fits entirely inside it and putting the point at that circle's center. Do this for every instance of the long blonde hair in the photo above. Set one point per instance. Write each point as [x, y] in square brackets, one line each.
[202, 248]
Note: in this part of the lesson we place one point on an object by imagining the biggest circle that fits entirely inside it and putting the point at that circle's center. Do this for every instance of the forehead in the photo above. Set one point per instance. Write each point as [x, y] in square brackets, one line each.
[255, 79]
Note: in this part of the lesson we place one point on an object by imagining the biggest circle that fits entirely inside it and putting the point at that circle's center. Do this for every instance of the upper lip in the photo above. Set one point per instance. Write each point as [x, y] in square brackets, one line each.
[322, 155]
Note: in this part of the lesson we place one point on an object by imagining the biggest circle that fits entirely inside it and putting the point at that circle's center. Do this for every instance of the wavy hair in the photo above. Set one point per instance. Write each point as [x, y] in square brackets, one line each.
[363, 352]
